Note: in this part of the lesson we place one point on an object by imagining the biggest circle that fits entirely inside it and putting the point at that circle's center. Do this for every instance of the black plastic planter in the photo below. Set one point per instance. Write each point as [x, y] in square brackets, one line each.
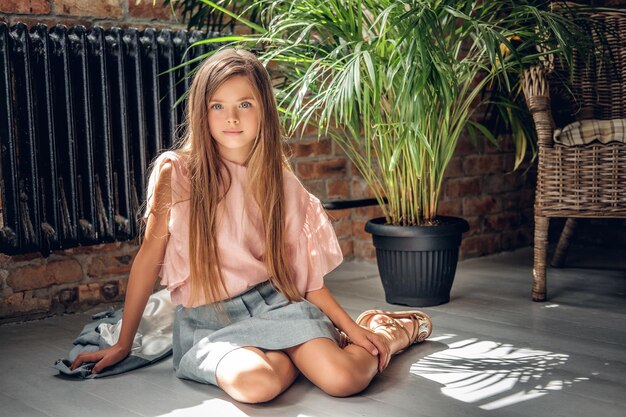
[417, 263]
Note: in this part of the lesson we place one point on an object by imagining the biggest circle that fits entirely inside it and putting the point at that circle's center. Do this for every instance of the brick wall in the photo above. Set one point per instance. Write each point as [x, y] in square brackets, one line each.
[480, 187]
[105, 13]
[67, 281]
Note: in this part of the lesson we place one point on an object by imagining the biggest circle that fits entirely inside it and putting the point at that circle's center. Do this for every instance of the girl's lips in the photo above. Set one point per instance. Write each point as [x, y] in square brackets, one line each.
[232, 132]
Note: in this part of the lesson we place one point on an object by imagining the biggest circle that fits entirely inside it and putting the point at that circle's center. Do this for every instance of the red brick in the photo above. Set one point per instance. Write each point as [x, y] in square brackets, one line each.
[475, 226]
[358, 231]
[307, 149]
[21, 303]
[103, 247]
[482, 164]
[354, 171]
[527, 198]
[317, 188]
[513, 239]
[366, 213]
[510, 201]
[147, 10]
[110, 264]
[466, 147]
[245, 30]
[25, 6]
[75, 21]
[453, 207]
[33, 20]
[509, 162]
[337, 151]
[343, 228]
[505, 144]
[321, 169]
[455, 168]
[364, 250]
[339, 214]
[90, 293]
[25, 257]
[309, 130]
[459, 187]
[110, 9]
[527, 217]
[500, 183]
[361, 189]
[482, 205]
[503, 221]
[288, 150]
[357, 174]
[347, 247]
[41, 276]
[480, 245]
[123, 283]
[338, 189]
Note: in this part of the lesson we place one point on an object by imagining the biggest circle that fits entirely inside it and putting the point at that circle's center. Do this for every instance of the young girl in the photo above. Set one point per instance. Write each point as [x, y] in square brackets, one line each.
[243, 249]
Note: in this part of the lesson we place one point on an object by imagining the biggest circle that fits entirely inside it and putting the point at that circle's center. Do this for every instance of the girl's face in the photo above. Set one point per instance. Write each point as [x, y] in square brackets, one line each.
[234, 118]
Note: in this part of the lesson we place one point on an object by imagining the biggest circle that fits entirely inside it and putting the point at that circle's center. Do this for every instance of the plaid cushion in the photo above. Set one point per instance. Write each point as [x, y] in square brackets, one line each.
[586, 131]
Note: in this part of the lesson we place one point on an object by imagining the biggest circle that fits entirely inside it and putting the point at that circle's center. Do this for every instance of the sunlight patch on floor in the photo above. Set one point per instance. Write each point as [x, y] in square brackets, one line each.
[491, 374]
[213, 407]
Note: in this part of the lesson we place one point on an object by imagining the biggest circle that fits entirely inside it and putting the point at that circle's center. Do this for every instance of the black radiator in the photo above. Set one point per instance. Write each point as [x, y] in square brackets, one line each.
[82, 114]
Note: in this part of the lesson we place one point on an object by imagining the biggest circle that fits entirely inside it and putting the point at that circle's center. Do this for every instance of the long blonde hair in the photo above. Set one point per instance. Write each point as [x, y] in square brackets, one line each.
[265, 166]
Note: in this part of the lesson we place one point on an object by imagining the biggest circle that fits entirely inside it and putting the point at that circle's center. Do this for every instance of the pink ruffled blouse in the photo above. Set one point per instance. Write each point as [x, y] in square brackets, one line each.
[312, 246]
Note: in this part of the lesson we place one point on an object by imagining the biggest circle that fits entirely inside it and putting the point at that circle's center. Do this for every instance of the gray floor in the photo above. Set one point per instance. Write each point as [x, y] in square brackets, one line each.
[493, 352]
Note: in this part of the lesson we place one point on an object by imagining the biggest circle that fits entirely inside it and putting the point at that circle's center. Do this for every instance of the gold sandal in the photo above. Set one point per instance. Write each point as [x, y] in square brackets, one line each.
[422, 325]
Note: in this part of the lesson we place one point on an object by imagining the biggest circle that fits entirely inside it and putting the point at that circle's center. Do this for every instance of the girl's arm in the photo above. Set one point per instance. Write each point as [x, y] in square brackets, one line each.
[143, 275]
[370, 341]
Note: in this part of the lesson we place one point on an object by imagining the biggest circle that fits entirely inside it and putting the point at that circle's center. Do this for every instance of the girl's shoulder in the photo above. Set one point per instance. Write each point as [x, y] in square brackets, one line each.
[176, 158]
[178, 173]
[298, 200]
[305, 216]
[293, 186]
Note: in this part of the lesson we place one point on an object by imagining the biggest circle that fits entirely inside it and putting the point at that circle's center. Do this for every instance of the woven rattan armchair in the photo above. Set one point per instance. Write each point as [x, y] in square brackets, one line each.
[583, 181]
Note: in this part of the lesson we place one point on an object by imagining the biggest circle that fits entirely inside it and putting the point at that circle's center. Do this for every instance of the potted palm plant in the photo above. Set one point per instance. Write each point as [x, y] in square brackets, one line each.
[395, 84]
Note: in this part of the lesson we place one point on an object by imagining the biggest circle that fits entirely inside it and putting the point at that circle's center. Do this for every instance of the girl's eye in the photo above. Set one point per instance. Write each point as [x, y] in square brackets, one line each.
[216, 106]
[245, 105]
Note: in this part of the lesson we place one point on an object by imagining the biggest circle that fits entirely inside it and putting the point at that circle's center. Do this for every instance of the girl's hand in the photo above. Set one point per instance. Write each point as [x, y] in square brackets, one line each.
[103, 358]
[372, 342]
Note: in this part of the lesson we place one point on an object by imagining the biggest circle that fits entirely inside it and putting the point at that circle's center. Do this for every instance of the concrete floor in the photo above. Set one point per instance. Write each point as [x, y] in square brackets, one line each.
[492, 352]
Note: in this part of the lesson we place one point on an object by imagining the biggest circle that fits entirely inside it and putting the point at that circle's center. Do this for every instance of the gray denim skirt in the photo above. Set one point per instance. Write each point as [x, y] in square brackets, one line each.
[261, 317]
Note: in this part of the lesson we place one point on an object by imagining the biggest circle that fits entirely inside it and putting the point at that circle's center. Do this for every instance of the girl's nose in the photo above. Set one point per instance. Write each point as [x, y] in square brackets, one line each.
[232, 117]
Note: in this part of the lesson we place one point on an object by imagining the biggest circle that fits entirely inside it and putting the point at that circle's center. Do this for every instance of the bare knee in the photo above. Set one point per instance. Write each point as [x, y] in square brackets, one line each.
[252, 386]
[344, 382]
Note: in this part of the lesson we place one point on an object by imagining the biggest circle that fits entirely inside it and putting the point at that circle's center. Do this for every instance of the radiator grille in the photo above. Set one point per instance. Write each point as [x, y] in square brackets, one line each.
[82, 114]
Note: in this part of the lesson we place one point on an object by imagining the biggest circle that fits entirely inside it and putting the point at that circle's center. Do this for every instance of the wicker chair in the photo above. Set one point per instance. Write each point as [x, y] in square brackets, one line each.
[585, 181]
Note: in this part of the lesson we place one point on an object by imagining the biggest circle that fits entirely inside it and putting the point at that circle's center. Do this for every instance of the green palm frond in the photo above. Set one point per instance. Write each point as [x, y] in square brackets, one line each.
[396, 83]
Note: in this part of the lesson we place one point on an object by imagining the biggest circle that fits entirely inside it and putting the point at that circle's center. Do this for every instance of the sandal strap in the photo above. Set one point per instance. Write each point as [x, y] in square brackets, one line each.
[422, 325]
[397, 324]
[415, 318]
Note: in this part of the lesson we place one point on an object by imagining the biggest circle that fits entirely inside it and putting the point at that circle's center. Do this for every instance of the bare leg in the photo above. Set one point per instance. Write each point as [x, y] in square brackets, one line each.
[250, 375]
[338, 372]
[343, 372]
